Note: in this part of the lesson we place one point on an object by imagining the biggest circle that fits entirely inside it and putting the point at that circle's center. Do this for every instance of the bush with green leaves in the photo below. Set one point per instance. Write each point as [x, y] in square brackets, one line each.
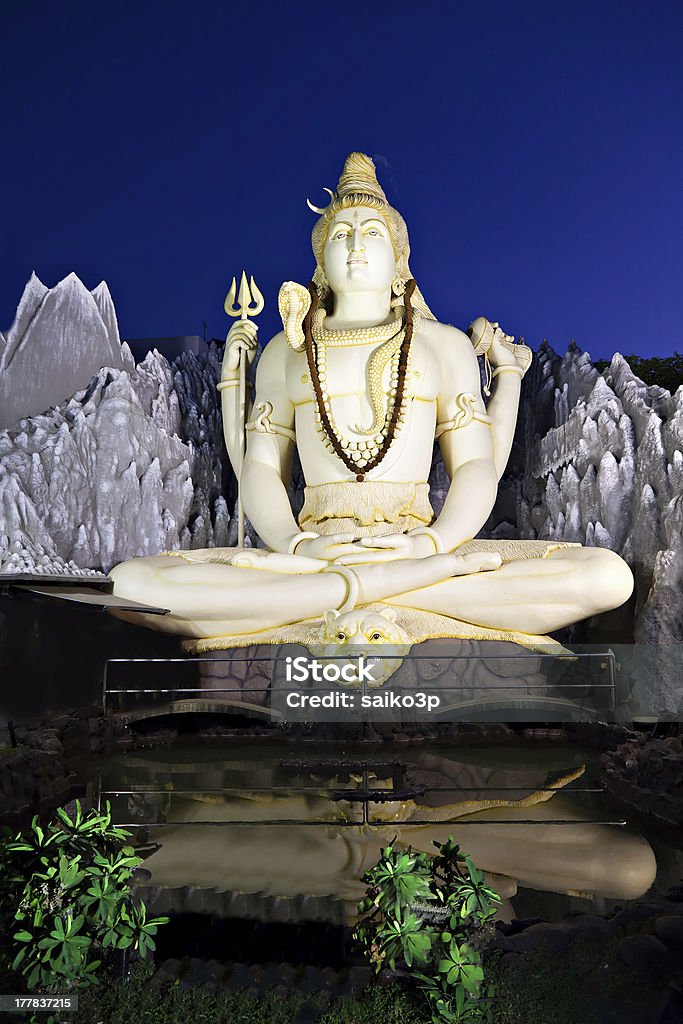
[66, 899]
[428, 918]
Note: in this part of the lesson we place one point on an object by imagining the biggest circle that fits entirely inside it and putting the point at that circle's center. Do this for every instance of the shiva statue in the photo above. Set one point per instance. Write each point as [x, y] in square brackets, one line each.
[360, 382]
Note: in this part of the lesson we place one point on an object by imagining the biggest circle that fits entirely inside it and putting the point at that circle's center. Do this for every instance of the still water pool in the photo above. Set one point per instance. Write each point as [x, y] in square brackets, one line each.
[268, 830]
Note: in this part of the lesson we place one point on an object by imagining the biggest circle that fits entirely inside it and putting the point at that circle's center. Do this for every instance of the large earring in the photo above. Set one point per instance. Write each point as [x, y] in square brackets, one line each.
[398, 285]
[321, 283]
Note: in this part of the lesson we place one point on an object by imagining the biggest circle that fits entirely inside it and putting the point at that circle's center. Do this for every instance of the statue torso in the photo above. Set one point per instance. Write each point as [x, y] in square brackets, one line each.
[409, 458]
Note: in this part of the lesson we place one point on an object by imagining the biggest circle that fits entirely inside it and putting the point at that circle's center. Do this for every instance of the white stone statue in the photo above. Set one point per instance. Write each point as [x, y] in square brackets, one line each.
[361, 381]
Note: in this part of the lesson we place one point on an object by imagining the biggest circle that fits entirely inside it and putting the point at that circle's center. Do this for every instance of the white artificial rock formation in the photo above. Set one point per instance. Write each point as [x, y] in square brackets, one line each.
[604, 466]
[60, 337]
[129, 465]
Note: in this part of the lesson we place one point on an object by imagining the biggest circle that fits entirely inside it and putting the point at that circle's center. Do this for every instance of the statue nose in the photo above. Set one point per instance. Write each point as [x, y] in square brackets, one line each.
[357, 244]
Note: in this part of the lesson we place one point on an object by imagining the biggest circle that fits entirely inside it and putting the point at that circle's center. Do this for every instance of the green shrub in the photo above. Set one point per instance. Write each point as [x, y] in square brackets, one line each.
[67, 899]
[432, 916]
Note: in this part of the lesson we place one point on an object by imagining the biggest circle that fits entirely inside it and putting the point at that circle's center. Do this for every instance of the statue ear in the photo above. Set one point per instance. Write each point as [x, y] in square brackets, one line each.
[330, 616]
[390, 613]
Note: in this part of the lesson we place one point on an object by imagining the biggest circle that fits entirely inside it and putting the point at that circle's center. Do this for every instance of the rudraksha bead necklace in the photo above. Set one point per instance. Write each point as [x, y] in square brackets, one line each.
[360, 457]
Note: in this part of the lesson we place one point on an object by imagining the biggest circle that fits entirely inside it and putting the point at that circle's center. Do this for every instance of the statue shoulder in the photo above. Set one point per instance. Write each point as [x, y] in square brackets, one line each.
[273, 360]
[451, 345]
[275, 351]
[445, 333]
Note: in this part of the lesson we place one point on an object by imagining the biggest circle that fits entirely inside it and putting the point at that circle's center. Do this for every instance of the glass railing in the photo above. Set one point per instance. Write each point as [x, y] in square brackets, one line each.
[445, 681]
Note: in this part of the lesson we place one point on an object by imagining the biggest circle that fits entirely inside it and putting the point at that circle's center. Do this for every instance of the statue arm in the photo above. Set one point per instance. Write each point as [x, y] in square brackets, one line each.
[510, 363]
[465, 434]
[503, 409]
[270, 447]
[232, 419]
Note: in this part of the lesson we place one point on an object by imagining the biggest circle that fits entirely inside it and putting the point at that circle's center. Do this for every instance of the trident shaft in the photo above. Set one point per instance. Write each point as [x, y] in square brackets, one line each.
[249, 303]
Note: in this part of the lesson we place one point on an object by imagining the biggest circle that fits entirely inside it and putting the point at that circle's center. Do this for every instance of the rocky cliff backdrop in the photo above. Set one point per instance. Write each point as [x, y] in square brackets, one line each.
[102, 460]
[130, 461]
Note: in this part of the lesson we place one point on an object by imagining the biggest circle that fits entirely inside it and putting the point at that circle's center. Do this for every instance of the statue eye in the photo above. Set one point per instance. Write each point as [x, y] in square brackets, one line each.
[376, 636]
[372, 231]
[341, 636]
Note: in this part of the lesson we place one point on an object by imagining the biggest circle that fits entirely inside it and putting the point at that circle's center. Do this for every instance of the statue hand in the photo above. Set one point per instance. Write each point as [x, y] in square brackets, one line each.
[332, 548]
[400, 546]
[504, 351]
[476, 561]
[241, 338]
[396, 546]
[388, 549]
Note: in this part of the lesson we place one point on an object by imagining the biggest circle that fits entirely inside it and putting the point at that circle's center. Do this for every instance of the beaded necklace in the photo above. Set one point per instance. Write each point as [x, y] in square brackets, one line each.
[360, 457]
[354, 336]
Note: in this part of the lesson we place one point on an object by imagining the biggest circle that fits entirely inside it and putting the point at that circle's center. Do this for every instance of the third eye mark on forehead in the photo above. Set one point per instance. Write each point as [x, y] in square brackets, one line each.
[346, 224]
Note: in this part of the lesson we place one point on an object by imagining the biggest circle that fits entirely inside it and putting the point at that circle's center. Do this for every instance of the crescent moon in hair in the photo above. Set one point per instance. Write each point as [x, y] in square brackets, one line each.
[318, 209]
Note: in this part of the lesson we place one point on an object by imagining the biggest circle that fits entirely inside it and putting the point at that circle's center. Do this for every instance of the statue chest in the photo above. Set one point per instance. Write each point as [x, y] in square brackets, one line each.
[354, 373]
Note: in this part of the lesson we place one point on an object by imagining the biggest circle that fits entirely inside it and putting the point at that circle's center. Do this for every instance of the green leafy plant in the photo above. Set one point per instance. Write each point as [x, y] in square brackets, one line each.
[67, 899]
[431, 916]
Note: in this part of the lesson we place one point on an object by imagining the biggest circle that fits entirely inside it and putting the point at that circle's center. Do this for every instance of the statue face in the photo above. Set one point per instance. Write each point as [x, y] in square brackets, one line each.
[359, 256]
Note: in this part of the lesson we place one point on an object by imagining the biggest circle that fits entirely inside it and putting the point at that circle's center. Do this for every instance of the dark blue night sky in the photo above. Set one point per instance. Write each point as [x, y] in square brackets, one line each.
[534, 149]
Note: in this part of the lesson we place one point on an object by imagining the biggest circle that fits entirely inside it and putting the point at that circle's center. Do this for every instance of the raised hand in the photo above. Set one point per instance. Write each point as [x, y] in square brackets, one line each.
[504, 352]
[241, 338]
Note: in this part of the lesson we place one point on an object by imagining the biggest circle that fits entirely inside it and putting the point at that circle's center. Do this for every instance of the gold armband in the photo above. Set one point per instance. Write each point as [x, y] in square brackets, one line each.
[263, 424]
[467, 411]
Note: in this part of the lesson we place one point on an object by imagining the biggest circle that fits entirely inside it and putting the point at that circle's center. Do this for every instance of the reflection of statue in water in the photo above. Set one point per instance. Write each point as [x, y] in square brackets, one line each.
[361, 382]
[585, 858]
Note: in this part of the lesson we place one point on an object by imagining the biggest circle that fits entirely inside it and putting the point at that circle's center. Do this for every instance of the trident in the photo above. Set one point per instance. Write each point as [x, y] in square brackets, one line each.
[247, 295]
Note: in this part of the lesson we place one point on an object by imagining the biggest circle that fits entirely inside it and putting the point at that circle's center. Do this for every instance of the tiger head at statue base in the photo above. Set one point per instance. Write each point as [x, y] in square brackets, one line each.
[374, 635]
